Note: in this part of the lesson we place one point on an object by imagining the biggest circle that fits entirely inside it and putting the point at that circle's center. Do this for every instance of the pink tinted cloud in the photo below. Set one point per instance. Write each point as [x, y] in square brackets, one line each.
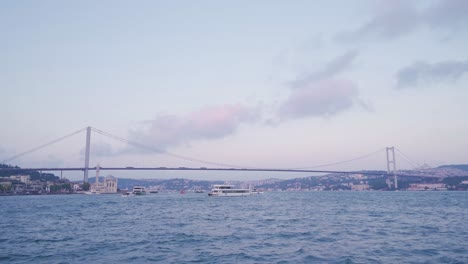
[207, 123]
[323, 92]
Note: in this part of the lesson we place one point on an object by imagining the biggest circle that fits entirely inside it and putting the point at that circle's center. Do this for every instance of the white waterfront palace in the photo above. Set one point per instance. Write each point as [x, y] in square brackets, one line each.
[109, 185]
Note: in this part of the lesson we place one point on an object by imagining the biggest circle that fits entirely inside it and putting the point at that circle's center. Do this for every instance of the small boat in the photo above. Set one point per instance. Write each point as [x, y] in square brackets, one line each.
[198, 190]
[91, 192]
[182, 191]
[256, 191]
[139, 190]
[127, 194]
[228, 190]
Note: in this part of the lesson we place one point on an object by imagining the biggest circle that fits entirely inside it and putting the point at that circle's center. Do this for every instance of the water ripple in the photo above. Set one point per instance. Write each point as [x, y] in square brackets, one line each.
[301, 227]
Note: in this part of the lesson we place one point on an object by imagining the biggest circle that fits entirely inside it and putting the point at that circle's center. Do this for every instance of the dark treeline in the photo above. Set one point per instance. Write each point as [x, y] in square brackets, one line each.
[34, 175]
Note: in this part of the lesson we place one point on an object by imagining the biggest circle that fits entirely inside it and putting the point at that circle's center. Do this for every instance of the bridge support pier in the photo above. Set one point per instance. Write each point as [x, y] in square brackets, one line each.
[86, 165]
[391, 160]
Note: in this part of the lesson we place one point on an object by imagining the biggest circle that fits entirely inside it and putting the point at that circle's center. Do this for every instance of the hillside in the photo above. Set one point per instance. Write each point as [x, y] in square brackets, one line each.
[463, 167]
[34, 175]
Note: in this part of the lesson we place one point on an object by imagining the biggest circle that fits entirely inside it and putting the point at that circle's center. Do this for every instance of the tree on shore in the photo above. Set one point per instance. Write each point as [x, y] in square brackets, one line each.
[85, 186]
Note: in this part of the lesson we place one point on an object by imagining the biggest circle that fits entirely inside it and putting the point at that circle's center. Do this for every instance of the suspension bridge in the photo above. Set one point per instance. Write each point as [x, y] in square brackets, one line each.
[216, 166]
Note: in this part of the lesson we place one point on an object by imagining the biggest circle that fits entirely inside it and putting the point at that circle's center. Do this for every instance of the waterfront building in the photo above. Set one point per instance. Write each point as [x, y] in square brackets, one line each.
[21, 178]
[76, 187]
[357, 176]
[18, 187]
[427, 186]
[360, 187]
[35, 187]
[5, 186]
[109, 185]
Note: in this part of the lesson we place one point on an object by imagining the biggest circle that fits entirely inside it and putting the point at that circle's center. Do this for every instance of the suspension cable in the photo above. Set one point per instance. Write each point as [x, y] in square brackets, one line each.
[340, 162]
[42, 146]
[408, 159]
[163, 152]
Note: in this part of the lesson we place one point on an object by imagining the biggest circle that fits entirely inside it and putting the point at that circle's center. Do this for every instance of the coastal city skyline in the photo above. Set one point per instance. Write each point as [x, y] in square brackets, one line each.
[253, 84]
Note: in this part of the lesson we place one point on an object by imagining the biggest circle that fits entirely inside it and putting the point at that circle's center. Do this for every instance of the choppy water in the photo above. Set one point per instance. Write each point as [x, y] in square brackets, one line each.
[284, 227]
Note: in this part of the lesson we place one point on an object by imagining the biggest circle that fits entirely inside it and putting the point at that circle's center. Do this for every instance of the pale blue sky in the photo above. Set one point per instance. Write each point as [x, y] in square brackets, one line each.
[255, 83]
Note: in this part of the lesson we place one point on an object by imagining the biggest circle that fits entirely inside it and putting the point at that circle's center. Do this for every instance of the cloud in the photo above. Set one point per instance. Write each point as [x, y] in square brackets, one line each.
[391, 19]
[321, 93]
[207, 123]
[396, 18]
[101, 149]
[53, 161]
[334, 67]
[317, 93]
[323, 98]
[50, 161]
[452, 13]
[424, 72]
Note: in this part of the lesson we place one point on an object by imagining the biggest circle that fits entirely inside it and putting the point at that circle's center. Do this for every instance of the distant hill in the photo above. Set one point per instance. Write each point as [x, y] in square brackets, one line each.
[325, 182]
[463, 167]
[34, 175]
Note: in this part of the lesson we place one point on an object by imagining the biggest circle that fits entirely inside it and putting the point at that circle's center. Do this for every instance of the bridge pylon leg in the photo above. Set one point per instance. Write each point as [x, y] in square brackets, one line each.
[88, 146]
[391, 161]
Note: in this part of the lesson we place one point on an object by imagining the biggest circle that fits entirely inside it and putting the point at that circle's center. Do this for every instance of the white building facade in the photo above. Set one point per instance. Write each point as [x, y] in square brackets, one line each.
[109, 185]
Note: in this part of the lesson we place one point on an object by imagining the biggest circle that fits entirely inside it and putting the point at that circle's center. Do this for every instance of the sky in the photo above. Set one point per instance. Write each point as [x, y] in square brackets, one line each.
[275, 84]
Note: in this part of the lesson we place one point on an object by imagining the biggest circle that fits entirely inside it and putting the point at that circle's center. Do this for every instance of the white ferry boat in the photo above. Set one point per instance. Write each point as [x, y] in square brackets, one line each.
[228, 190]
[139, 190]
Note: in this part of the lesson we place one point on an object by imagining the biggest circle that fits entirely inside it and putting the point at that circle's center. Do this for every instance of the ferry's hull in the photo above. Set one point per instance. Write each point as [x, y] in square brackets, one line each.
[229, 194]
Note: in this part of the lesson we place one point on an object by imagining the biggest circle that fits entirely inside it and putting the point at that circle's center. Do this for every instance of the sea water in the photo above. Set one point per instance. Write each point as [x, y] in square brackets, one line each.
[274, 227]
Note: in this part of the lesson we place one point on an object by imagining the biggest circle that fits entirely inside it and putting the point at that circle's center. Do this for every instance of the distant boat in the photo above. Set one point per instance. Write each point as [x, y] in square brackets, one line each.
[90, 192]
[198, 190]
[127, 194]
[228, 190]
[139, 190]
[256, 191]
[182, 191]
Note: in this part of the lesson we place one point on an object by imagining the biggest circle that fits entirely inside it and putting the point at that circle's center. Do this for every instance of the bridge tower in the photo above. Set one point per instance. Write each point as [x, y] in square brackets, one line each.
[98, 168]
[88, 141]
[391, 165]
